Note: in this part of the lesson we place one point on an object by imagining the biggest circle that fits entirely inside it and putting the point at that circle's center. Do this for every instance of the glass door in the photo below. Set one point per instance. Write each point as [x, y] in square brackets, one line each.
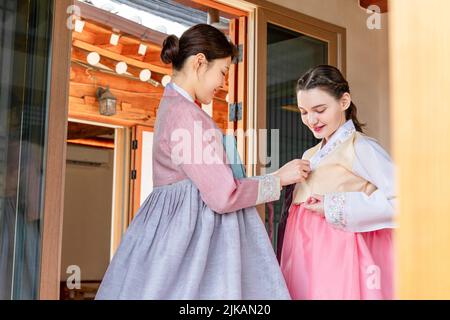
[289, 55]
[25, 29]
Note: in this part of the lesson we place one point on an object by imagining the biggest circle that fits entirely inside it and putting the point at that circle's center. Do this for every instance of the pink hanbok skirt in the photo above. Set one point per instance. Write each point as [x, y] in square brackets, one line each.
[320, 261]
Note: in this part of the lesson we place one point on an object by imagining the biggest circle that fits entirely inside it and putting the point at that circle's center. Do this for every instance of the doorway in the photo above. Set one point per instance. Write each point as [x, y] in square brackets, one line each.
[96, 204]
[88, 208]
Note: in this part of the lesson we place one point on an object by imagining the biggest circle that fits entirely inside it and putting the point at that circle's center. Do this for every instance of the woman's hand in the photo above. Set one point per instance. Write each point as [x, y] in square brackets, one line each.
[295, 171]
[315, 203]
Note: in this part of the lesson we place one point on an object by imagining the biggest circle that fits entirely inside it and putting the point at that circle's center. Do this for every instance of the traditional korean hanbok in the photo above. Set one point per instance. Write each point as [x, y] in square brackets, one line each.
[197, 235]
[348, 254]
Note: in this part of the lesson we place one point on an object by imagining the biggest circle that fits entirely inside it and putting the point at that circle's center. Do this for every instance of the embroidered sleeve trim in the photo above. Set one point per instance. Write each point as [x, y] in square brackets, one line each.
[269, 188]
[334, 206]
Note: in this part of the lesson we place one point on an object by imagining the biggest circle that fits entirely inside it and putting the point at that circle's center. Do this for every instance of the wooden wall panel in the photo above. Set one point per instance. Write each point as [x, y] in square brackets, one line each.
[420, 82]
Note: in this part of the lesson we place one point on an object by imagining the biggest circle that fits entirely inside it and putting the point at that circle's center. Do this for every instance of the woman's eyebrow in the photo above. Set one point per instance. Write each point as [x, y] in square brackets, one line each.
[315, 107]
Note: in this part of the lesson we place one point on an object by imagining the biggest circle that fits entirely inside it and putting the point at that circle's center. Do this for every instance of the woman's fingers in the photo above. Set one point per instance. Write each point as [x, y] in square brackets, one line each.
[295, 171]
[310, 201]
[305, 165]
[314, 199]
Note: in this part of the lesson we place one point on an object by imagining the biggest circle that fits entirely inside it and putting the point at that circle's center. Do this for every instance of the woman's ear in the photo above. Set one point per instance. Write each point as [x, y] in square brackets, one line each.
[346, 100]
[199, 60]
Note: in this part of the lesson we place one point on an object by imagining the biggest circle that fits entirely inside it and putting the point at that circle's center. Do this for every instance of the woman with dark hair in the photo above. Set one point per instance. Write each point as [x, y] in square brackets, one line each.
[198, 234]
[338, 236]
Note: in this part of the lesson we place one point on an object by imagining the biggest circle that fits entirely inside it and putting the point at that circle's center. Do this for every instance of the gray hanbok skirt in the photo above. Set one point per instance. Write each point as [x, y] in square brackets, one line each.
[178, 248]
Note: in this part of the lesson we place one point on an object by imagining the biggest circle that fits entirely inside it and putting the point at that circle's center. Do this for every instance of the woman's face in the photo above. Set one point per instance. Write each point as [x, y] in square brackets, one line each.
[211, 78]
[321, 112]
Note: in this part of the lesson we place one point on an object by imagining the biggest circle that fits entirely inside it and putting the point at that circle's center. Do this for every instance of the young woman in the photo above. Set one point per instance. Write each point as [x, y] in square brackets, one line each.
[338, 238]
[198, 235]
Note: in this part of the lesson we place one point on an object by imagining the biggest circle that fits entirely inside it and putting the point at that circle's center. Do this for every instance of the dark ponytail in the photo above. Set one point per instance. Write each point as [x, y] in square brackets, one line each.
[350, 113]
[331, 80]
[201, 38]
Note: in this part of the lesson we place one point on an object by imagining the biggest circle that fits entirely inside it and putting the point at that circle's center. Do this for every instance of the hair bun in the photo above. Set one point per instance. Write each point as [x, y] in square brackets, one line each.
[170, 49]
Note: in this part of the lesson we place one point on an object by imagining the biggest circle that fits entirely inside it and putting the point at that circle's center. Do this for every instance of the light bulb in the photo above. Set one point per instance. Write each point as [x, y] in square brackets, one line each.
[145, 75]
[165, 80]
[93, 58]
[121, 67]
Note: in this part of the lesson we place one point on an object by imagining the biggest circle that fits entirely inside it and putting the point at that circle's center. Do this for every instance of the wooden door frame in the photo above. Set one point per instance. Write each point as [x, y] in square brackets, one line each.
[121, 186]
[136, 164]
[55, 159]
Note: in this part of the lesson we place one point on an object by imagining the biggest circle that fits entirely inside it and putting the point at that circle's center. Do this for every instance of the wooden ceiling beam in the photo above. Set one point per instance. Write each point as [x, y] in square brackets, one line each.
[113, 21]
[97, 35]
[225, 10]
[132, 51]
[102, 39]
[154, 57]
[83, 112]
[118, 57]
[127, 40]
[85, 36]
[138, 100]
[79, 131]
[93, 142]
[94, 77]
[96, 28]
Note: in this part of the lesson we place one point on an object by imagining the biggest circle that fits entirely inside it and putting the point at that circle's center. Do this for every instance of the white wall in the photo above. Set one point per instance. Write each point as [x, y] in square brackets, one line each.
[367, 58]
[87, 213]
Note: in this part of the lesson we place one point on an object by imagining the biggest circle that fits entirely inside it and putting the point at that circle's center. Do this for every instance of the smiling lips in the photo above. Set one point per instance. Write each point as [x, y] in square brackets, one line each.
[318, 128]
